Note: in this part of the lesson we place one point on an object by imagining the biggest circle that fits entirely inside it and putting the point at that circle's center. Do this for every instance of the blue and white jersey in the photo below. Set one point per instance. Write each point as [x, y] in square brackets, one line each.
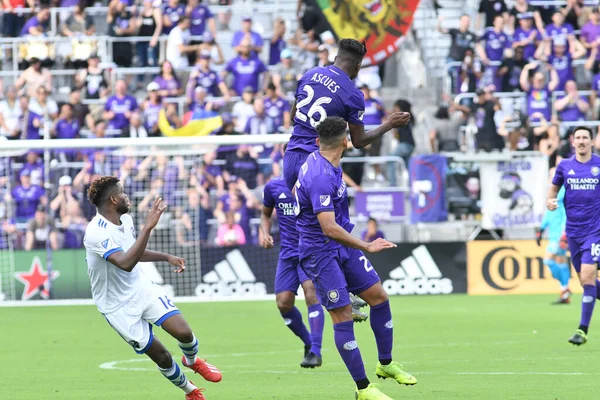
[111, 286]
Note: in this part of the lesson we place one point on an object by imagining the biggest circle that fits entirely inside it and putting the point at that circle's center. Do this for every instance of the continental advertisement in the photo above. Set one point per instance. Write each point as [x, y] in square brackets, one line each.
[510, 267]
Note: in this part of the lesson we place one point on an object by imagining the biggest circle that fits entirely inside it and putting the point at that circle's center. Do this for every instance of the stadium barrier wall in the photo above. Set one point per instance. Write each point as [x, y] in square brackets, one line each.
[500, 267]
[241, 273]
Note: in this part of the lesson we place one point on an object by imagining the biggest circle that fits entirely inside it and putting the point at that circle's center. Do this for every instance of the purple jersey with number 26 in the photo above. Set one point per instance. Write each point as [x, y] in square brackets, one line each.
[324, 92]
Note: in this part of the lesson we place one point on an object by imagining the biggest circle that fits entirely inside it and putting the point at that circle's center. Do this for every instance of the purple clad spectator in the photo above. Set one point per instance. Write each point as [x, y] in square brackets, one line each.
[561, 59]
[151, 108]
[526, 36]
[277, 43]
[243, 166]
[590, 32]
[34, 122]
[496, 42]
[374, 108]
[168, 84]
[277, 108]
[372, 232]
[207, 78]
[118, 108]
[572, 106]
[27, 197]
[593, 65]
[246, 69]
[35, 166]
[255, 41]
[38, 24]
[206, 175]
[558, 27]
[171, 12]
[237, 204]
[72, 225]
[538, 92]
[200, 18]
[66, 126]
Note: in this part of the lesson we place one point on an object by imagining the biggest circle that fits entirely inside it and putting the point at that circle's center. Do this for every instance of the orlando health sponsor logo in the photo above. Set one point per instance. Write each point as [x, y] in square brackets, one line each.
[418, 274]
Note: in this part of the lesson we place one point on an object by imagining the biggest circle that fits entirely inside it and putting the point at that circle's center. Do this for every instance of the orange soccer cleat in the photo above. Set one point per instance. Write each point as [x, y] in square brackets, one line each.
[206, 370]
[195, 395]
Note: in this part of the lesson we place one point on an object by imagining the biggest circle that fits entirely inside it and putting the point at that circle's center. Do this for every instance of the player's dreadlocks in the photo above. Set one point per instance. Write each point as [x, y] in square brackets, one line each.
[100, 189]
[331, 130]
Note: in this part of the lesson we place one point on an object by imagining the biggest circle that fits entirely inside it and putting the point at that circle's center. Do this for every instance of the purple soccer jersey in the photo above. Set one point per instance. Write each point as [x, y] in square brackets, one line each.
[174, 13]
[554, 31]
[210, 81]
[246, 72]
[563, 68]
[151, 115]
[495, 43]
[571, 112]
[67, 129]
[31, 23]
[324, 92]
[198, 18]
[520, 35]
[277, 195]
[255, 39]
[26, 200]
[582, 187]
[167, 84]
[275, 51]
[276, 108]
[33, 132]
[596, 83]
[120, 106]
[374, 112]
[36, 172]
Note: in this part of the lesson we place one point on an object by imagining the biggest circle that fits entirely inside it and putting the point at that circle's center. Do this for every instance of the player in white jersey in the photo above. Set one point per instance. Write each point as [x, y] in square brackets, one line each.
[126, 297]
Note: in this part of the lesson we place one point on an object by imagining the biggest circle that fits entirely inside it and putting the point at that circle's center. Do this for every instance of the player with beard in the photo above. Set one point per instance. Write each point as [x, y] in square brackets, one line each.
[129, 301]
[580, 176]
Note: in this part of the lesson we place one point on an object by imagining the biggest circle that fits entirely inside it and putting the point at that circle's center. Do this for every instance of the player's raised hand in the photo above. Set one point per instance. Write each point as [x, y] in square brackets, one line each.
[552, 204]
[155, 212]
[267, 241]
[399, 119]
[379, 244]
[177, 262]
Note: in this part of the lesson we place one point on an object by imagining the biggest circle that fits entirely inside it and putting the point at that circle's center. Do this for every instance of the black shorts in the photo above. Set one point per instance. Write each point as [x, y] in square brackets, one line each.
[12, 24]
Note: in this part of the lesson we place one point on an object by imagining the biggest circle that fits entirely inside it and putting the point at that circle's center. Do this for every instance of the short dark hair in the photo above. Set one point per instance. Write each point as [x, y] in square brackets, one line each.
[584, 128]
[351, 50]
[331, 130]
[101, 189]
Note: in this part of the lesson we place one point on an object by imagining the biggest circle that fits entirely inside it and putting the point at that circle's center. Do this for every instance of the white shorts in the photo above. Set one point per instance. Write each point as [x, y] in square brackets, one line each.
[134, 321]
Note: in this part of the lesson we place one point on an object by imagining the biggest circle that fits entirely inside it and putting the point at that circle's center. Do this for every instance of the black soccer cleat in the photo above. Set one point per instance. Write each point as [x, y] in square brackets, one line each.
[578, 338]
[311, 361]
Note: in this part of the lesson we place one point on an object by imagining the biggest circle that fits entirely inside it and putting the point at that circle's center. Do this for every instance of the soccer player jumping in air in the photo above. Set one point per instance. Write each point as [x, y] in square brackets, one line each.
[329, 91]
[126, 297]
[333, 259]
[580, 176]
[556, 256]
[289, 275]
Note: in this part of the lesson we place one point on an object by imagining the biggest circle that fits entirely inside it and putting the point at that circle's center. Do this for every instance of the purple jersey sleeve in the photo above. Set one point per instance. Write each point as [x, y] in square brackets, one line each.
[268, 200]
[261, 67]
[356, 110]
[134, 104]
[559, 177]
[108, 104]
[229, 67]
[322, 193]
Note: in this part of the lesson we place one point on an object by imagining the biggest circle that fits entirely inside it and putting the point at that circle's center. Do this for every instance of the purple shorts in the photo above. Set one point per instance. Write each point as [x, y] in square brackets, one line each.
[335, 273]
[584, 250]
[289, 275]
[292, 161]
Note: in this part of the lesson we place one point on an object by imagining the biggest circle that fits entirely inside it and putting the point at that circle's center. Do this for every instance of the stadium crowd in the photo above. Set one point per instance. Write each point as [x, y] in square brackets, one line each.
[527, 76]
[251, 92]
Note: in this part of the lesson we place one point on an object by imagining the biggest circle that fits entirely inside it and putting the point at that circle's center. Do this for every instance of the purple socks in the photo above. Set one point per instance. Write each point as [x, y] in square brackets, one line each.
[588, 301]
[345, 342]
[316, 321]
[293, 320]
[383, 328]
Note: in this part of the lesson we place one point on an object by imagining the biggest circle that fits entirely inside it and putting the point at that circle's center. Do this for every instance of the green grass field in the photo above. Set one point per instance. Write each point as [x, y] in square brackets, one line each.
[459, 347]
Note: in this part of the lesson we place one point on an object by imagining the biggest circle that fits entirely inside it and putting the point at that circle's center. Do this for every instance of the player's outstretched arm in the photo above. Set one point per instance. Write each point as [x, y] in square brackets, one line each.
[175, 261]
[127, 260]
[360, 138]
[333, 231]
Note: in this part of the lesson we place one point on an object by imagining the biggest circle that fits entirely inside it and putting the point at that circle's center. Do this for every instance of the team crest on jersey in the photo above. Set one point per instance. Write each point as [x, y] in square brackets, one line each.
[333, 296]
[105, 243]
[325, 200]
[595, 171]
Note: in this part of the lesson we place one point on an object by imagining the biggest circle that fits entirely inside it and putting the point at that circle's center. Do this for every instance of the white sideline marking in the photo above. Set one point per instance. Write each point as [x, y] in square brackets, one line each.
[90, 302]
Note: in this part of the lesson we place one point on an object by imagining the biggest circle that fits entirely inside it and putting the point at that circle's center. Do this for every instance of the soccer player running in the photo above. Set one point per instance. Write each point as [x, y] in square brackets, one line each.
[126, 297]
[289, 275]
[556, 256]
[580, 176]
[335, 262]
